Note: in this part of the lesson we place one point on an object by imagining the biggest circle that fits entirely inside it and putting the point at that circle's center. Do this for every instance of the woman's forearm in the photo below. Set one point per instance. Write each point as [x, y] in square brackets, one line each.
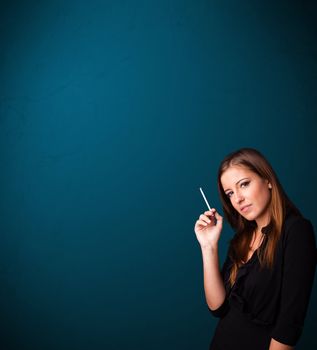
[275, 345]
[213, 285]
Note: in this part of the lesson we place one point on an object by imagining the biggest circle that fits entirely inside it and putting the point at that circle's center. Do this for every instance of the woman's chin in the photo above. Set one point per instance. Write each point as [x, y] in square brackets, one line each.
[248, 216]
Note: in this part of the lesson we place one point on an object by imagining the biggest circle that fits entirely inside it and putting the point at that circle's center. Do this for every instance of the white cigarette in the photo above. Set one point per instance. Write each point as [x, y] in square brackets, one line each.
[205, 198]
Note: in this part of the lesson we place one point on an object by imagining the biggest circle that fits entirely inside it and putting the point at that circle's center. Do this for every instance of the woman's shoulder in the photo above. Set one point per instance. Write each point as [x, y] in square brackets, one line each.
[298, 239]
[297, 228]
[296, 220]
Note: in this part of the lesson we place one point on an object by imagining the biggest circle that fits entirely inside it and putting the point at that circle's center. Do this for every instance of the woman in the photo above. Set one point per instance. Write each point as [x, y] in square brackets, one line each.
[262, 292]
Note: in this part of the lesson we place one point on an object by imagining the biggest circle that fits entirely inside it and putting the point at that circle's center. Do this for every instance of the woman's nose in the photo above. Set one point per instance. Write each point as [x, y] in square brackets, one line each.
[238, 198]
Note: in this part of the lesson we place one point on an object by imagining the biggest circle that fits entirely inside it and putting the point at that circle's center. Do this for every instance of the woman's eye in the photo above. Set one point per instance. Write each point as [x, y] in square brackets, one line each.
[229, 194]
[246, 183]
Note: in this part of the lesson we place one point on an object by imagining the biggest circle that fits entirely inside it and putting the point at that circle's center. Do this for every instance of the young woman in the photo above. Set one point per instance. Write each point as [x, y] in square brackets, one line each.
[262, 292]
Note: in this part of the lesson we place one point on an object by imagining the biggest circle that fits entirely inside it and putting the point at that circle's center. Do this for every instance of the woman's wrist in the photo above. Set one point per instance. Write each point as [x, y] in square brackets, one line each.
[209, 248]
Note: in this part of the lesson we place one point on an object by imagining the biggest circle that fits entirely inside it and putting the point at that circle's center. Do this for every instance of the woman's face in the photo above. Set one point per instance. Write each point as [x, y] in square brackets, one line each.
[249, 193]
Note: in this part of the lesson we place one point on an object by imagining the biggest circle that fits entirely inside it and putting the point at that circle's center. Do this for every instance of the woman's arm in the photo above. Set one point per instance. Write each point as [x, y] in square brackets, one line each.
[214, 288]
[275, 345]
[299, 263]
[208, 232]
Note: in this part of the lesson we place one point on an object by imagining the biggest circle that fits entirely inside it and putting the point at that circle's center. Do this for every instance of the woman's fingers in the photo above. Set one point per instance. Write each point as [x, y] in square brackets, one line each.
[208, 217]
[205, 218]
[214, 214]
[201, 222]
[219, 220]
[210, 212]
[218, 216]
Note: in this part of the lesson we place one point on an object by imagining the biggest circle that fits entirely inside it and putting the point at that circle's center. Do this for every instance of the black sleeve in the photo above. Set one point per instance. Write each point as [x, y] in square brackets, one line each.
[224, 307]
[298, 275]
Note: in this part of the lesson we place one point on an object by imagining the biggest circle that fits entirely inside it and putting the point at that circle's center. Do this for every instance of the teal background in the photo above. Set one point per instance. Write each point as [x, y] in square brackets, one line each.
[112, 115]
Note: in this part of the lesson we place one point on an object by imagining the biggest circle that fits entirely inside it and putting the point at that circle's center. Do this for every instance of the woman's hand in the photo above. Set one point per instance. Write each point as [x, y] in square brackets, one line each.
[207, 231]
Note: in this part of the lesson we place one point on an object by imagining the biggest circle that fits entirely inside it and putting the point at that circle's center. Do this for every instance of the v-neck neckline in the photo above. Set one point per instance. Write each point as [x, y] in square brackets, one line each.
[252, 256]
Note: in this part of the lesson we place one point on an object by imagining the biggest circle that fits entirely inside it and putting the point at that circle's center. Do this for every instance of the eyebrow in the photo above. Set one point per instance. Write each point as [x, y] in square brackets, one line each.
[237, 183]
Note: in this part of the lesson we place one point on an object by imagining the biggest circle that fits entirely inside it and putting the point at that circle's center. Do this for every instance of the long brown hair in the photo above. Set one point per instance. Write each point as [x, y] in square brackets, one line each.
[279, 205]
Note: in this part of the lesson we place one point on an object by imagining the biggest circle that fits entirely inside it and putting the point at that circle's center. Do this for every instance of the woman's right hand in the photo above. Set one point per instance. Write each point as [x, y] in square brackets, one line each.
[207, 231]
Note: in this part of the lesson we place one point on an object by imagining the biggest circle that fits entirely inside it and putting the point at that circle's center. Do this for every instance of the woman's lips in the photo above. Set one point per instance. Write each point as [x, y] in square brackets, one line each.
[245, 208]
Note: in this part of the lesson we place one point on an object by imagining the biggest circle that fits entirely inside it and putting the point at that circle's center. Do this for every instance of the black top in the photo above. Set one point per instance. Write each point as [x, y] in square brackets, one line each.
[277, 298]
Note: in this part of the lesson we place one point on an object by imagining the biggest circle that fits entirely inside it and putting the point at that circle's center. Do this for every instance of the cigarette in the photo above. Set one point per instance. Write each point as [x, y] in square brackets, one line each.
[205, 198]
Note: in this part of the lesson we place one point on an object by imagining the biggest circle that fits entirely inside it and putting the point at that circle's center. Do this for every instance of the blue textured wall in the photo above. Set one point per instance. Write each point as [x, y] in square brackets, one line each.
[112, 114]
